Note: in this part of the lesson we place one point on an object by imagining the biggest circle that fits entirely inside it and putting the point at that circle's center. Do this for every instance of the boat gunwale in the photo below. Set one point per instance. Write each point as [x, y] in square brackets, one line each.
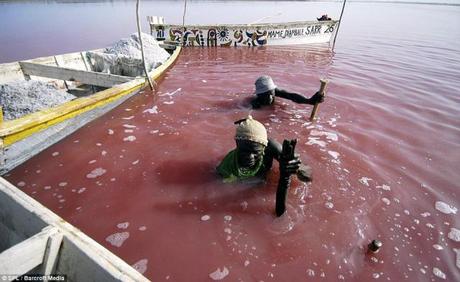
[258, 25]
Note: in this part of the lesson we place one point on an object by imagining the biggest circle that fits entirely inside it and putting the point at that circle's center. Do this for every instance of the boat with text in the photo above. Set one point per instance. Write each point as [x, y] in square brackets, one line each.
[260, 34]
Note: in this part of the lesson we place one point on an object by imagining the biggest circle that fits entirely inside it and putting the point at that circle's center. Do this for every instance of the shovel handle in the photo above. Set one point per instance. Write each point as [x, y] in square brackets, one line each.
[322, 91]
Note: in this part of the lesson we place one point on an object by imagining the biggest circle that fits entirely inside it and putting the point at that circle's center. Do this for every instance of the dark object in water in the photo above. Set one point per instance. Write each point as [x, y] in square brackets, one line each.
[287, 154]
[375, 246]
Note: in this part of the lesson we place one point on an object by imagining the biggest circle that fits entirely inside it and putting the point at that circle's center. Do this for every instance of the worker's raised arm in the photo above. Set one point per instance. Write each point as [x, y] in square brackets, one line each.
[300, 99]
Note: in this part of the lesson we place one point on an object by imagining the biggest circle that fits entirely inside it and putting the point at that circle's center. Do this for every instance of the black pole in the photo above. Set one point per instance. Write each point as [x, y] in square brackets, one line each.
[338, 25]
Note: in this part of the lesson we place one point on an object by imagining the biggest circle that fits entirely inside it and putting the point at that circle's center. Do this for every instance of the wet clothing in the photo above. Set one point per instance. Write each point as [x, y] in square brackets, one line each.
[260, 101]
[231, 171]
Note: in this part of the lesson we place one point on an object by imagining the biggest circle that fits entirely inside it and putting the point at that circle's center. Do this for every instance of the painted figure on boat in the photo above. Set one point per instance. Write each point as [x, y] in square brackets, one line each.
[266, 91]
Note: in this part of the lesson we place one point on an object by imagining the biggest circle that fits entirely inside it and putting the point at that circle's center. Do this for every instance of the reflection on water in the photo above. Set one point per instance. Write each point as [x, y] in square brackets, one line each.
[384, 153]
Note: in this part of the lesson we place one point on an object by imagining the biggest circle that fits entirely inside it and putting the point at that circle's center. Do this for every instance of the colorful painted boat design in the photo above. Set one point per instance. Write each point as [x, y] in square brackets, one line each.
[225, 35]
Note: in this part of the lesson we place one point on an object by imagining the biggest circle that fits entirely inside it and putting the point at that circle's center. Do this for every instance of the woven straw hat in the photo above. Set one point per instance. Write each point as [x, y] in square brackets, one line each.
[252, 130]
[264, 84]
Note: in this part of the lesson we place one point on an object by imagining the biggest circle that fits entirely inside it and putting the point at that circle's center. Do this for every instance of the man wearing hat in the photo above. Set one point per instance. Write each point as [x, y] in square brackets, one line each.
[266, 91]
[254, 154]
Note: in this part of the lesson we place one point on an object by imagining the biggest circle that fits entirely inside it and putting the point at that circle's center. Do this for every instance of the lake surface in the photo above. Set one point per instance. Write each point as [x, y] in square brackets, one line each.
[384, 151]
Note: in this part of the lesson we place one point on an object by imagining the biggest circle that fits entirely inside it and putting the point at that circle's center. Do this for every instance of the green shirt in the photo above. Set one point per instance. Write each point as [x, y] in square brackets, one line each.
[231, 172]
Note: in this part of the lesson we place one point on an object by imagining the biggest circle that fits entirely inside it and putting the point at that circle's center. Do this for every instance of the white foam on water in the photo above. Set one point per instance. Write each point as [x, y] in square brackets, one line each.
[21, 184]
[227, 217]
[47, 187]
[445, 208]
[425, 214]
[96, 172]
[128, 118]
[364, 180]
[129, 131]
[135, 162]
[454, 234]
[437, 247]
[130, 138]
[205, 217]
[104, 153]
[153, 110]
[142, 228]
[123, 225]
[168, 102]
[62, 184]
[129, 126]
[54, 154]
[110, 132]
[117, 239]
[219, 274]
[329, 135]
[457, 258]
[81, 190]
[141, 266]
[172, 93]
[92, 162]
[204, 81]
[438, 273]
[386, 201]
[316, 141]
[335, 155]
[384, 187]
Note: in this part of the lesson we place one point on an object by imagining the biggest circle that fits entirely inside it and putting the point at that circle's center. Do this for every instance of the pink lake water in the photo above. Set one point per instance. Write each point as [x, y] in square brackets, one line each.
[384, 151]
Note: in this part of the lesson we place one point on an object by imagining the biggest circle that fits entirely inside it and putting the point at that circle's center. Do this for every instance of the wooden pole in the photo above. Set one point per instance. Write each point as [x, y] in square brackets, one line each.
[183, 23]
[322, 92]
[142, 46]
[338, 25]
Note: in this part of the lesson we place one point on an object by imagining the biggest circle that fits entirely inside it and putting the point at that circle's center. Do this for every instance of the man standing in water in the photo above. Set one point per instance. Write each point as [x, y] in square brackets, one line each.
[253, 157]
[266, 91]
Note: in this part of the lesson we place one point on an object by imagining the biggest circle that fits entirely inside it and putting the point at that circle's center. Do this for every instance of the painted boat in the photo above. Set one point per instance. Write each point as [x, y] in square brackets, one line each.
[226, 35]
[26, 136]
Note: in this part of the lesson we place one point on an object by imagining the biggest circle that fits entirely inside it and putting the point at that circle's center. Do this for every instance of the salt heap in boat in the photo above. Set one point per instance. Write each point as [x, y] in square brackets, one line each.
[124, 56]
[19, 98]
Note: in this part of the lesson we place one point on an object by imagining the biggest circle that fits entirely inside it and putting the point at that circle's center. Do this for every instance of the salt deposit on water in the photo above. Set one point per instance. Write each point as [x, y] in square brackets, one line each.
[96, 172]
[123, 225]
[117, 239]
[438, 247]
[445, 208]
[20, 98]
[205, 217]
[130, 138]
[219, 274]
[437, 272]
[364, 180]
[457, 259]
[141, 266]
[454, 234]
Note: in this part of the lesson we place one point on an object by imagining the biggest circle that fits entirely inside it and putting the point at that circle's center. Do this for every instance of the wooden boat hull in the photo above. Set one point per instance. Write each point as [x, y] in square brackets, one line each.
[26, 136]
[306, 32]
